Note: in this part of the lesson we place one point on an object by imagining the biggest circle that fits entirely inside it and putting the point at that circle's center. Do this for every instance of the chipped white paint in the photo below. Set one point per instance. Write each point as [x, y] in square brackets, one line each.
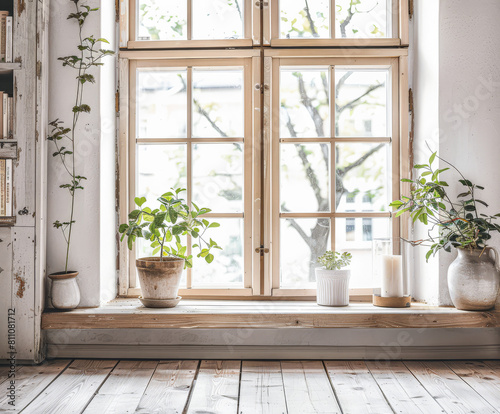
[23, 264]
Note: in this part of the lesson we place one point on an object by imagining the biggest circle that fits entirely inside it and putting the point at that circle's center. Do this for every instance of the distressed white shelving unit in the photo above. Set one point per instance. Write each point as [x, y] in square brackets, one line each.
[22, 236]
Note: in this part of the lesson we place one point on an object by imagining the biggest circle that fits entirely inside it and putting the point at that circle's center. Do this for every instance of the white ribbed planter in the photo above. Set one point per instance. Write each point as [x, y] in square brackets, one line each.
[332, 287]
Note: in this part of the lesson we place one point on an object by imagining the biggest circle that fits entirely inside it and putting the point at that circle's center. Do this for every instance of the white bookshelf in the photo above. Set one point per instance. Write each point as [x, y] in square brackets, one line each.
[21, 258]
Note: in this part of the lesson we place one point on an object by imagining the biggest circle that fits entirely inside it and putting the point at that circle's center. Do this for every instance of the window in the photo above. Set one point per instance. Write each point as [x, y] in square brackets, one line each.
[296, 150]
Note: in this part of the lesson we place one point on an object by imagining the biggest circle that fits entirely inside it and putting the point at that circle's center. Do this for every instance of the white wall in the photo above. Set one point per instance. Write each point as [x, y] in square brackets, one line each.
[425, 85]
[95, 140]
[457, 101]
[108, 257]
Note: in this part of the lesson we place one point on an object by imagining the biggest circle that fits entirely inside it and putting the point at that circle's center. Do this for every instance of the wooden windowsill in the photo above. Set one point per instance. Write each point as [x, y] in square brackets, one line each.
[130, 314]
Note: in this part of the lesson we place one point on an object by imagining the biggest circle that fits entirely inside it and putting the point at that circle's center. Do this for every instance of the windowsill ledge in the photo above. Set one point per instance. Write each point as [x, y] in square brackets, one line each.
[218, 314]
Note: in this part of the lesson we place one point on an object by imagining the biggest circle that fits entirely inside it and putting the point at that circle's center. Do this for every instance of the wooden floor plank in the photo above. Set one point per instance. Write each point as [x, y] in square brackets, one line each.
[307, 389]
[401, 389]
[480, 376]
[30, 381]
[356, 388]
[123, 389]
[261, 389]
[73, 389]
[217, 388]
[4, 372]
[448, 389]
[169, 388]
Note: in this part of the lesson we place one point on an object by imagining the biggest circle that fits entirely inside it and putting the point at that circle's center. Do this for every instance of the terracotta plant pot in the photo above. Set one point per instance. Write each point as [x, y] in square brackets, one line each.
[474, 279]
[159, 280]
[65, 293]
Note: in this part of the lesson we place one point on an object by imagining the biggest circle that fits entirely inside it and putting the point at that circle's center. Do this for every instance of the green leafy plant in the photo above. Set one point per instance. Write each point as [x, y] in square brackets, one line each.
[164, 226]
[459, 222]
[88, 56]
[335, 260]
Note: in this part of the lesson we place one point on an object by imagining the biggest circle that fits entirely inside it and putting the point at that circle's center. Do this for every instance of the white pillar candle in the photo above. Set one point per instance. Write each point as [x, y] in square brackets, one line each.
[392, 276]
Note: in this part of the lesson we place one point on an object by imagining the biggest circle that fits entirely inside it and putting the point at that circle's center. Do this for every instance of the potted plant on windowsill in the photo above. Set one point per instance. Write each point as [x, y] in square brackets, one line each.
[65, 293]
[163, 227]
[333, 281]
[474, 276]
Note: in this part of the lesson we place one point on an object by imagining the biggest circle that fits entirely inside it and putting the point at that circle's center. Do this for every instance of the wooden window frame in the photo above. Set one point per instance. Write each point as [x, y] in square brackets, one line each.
[251, 24]
[330, 58]
[249, 60]
[270, 30]
[261, 280]
[399, 28]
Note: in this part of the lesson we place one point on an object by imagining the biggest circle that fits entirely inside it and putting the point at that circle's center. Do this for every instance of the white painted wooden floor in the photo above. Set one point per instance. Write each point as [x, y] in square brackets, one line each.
[274, 387]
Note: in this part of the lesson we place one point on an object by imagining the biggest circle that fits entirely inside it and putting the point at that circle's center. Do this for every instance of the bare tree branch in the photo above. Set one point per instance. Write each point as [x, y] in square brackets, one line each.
[306, 101]
[350, 14]
[207, 116]
[341, 83]
[310, 174]
[347, 20]
[238, 7]
[293, 223]
[351, 104]
[311, 21]
[343, 171]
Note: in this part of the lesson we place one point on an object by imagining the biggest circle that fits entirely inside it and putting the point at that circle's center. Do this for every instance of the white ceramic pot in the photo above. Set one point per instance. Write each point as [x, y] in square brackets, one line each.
[332, 287]
[474, 279]
[65, 293]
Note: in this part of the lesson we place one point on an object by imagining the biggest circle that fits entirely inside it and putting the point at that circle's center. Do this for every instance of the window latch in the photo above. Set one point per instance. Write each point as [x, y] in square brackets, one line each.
[261, 250]
[261, 4]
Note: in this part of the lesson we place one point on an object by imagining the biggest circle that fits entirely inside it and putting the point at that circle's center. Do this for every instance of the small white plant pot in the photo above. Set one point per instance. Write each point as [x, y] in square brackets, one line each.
[65, 293]
[332, 287]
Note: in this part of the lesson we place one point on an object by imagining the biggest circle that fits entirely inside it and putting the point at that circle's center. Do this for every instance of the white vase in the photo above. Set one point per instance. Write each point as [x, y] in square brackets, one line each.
[474, 279]
[65, 293]
[332, 287]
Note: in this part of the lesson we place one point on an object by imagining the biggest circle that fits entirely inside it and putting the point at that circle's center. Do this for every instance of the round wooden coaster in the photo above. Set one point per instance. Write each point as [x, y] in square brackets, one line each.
[404, 302]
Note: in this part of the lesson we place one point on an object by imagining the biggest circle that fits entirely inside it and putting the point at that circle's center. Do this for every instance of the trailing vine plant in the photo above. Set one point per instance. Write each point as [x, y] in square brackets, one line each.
[88, 56]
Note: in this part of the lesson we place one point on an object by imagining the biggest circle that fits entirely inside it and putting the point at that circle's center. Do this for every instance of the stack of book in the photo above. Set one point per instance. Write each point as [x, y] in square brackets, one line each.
[5, 37]
[5, 188]
[6, 116]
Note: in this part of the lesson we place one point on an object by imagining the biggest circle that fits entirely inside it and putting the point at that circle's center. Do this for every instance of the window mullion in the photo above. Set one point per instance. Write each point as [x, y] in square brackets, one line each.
[332, 22]
[189, 178]
[189, 19]
[333, 153]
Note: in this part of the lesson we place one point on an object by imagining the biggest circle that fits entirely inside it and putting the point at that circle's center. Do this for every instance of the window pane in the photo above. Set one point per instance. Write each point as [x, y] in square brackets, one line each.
[218, 103]
[361, 108]
[161, 103]
[227, 268]
[218, 177]
[162, 20]
[363, 180]
[304, 18]
[159, 168]
[305, 183]
[355, 235]
[302, 241]
[305, 103]
[361, 19]
[218, 19]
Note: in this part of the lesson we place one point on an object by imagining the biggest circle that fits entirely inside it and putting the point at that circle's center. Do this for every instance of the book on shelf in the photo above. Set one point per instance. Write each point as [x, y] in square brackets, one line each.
[6, 116]
[8, 39]
[5, 188]
[6, 34]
